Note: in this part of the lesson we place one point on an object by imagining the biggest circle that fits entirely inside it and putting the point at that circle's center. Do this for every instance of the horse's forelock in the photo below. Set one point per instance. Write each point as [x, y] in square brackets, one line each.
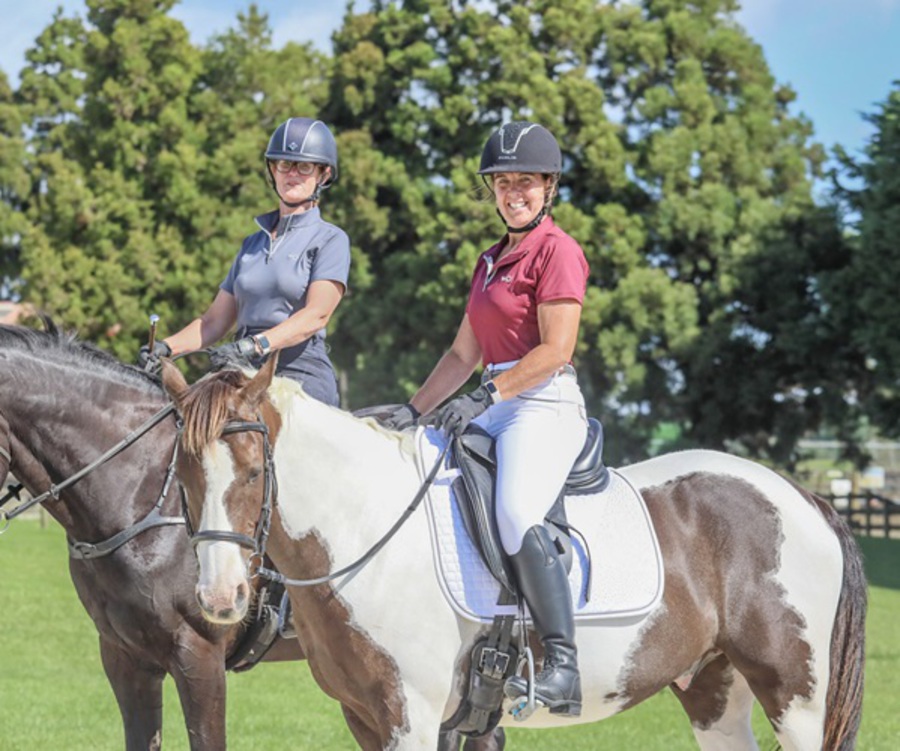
[204, 409]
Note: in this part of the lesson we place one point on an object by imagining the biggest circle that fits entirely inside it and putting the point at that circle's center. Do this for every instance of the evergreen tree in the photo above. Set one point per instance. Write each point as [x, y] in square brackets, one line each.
[13, 189]
[684, 174]
[866, 298]
[149, 163]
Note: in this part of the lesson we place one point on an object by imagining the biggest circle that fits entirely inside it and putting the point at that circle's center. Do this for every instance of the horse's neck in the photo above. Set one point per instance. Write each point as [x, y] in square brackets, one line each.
[334, 469]
[62, 425]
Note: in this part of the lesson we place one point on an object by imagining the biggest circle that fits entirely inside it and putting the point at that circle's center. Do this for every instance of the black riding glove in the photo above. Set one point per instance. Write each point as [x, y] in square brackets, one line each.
[148, 359]
[399, 416]
[456, 416]
[234, 353]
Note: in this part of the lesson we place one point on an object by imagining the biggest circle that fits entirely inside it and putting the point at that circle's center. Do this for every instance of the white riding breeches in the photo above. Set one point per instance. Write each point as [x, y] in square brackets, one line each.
[538, 436]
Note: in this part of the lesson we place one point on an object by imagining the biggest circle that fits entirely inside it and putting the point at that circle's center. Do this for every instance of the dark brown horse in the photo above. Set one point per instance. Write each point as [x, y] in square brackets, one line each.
[63, 403]
[764, 597]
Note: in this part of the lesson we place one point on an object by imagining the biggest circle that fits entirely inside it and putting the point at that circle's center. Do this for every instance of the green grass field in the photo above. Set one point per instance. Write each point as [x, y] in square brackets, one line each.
[54, 695]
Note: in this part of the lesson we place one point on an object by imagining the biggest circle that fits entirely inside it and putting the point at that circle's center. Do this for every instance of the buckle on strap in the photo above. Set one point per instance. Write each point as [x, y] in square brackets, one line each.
[493, 663]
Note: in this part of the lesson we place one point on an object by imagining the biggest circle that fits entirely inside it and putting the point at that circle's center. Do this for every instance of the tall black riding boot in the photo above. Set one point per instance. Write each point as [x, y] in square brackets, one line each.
[544, 584]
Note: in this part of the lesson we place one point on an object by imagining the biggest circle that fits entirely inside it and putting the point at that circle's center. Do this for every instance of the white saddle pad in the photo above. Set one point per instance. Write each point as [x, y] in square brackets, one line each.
[627, 570]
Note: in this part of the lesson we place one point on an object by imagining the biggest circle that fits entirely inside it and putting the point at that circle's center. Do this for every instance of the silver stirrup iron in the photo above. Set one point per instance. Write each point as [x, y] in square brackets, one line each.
[525, 706]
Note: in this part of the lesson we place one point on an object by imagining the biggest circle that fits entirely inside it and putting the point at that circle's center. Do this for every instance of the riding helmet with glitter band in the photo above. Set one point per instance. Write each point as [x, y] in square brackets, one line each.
[522, 146]
[302, 139]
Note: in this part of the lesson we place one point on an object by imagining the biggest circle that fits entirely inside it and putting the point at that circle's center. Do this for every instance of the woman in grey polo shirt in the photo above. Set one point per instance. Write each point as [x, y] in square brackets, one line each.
[288, 277]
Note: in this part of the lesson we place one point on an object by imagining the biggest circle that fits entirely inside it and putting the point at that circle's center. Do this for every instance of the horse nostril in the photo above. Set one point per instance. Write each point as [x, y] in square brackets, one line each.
[201, 600]
[241, 596]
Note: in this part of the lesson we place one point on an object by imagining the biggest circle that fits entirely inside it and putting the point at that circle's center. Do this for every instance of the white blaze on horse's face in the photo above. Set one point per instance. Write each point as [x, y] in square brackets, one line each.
[222, 589]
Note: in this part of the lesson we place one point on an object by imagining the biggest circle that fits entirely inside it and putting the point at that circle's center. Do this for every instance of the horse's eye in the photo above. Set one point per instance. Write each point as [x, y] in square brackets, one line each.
[254, 474]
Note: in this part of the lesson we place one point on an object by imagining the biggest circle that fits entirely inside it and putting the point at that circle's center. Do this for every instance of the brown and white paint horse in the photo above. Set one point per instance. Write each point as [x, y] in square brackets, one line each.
[764, 590]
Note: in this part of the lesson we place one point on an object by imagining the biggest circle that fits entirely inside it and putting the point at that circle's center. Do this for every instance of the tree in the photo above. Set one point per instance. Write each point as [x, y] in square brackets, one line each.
[866, 298]
[149, 165]
[13, 189]
[685, 172]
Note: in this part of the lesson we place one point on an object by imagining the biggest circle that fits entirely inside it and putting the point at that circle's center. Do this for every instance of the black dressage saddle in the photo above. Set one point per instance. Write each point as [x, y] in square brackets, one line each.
[473, 453]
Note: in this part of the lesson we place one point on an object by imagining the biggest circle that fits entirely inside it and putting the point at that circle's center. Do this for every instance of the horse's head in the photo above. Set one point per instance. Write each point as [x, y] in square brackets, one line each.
[225, 465]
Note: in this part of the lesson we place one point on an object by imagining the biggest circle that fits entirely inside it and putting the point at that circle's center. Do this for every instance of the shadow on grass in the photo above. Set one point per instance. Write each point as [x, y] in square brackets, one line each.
[882, 561]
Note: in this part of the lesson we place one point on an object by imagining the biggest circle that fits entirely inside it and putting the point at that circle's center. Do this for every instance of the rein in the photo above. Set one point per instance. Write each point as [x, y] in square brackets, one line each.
[85, 550]
[366, 557]
[257, 543]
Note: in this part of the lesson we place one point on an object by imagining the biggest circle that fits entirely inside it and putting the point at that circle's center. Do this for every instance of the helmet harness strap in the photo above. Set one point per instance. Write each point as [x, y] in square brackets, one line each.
[312, 198]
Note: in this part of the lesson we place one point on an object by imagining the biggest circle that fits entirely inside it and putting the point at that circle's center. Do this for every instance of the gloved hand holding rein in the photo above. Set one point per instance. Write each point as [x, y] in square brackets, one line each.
[148, 359]
[240, 352]
[455, 417]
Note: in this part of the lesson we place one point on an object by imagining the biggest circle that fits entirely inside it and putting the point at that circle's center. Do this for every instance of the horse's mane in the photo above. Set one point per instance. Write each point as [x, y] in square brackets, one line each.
[56, 345]
[284, 390]
[204, 408]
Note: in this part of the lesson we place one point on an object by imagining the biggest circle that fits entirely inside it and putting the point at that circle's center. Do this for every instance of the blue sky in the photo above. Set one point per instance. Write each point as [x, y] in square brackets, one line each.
[840, 56]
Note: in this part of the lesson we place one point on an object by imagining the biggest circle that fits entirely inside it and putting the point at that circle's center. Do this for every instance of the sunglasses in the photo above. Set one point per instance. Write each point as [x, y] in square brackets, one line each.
[286, 165]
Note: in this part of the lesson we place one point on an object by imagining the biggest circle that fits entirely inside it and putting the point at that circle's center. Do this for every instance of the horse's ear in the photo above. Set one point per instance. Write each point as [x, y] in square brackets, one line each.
[253, 392]
[173, 382]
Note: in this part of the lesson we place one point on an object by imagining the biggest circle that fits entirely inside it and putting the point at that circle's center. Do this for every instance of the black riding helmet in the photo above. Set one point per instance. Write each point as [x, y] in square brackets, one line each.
[302, 139]
[522, 146]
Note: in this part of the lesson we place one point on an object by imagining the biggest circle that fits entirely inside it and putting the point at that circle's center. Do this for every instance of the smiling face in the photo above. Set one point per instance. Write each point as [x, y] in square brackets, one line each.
[520, 196]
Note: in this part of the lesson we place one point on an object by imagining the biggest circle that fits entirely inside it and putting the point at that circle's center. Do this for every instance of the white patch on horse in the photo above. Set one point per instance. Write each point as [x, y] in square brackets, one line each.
[221, 567]
[385, 480]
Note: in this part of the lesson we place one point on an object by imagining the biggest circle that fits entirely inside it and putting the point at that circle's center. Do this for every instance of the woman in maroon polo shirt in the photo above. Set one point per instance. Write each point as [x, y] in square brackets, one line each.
[521, 322]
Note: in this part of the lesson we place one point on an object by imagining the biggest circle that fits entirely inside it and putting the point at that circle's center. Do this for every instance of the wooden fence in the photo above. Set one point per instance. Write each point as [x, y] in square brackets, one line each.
[869, 514]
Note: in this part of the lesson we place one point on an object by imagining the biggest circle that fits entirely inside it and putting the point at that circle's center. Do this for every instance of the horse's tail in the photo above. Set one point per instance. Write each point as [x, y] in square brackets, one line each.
[843, 703]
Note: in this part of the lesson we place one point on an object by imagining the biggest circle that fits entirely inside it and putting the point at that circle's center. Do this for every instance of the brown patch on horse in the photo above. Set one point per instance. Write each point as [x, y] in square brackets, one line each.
[706, 602]
[345, 661]
[215, 399]
[706, 699]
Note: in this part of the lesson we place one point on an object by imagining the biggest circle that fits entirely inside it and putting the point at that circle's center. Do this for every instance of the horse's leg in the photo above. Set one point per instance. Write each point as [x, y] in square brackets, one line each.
[372, 735]
[495, 741]
[366, 736]
[138, 690]
[198, 669]
[449, 740]
[719, 703]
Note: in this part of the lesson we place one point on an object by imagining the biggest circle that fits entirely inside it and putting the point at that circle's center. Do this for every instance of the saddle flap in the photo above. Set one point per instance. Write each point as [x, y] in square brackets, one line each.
[473, 454]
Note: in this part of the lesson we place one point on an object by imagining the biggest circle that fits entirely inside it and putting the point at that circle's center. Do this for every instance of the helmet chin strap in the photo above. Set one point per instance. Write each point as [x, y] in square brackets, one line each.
[528, 227]
[313, 198]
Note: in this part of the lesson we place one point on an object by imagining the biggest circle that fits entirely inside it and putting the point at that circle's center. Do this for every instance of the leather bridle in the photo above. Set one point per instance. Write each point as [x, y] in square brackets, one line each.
[257, 543]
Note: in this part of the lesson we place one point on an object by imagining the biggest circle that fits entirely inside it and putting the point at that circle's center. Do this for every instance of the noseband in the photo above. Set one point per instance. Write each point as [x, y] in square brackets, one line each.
[257, 543]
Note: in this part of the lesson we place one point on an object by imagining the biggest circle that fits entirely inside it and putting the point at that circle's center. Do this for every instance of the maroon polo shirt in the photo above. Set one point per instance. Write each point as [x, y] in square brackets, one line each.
[503, 302]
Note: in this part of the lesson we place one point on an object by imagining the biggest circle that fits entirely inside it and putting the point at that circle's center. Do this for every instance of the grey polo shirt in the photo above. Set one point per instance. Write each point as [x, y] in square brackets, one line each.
[269, 279]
